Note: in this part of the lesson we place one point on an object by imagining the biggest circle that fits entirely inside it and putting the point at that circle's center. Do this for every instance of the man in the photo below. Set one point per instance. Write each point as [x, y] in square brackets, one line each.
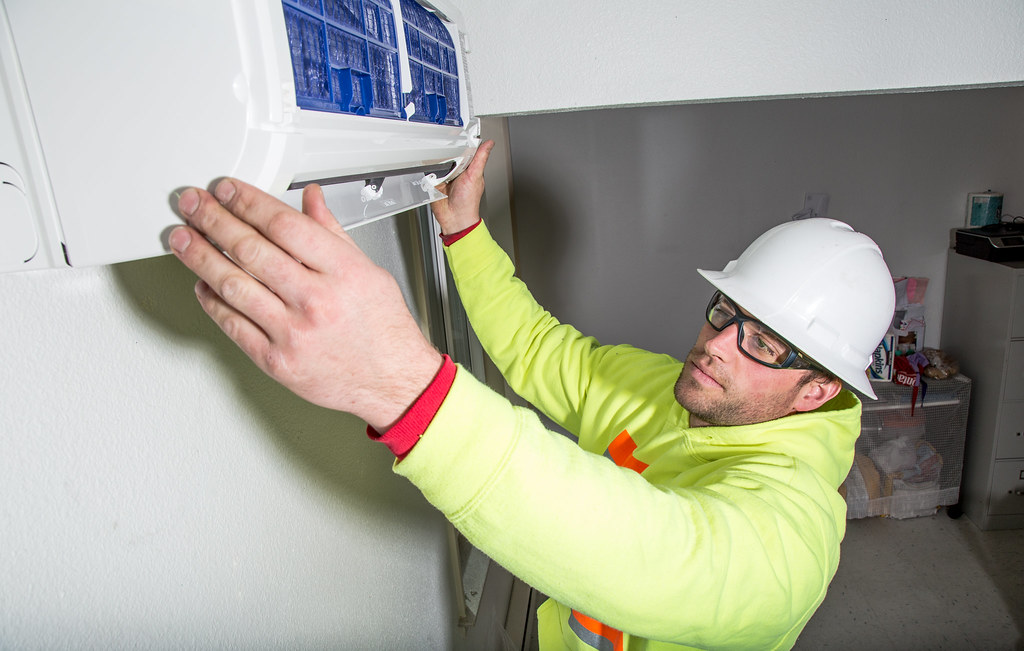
[700, 506]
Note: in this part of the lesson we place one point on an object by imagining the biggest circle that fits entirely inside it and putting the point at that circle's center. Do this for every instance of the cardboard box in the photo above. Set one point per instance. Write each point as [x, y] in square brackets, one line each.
[882, 361]
[908, 326]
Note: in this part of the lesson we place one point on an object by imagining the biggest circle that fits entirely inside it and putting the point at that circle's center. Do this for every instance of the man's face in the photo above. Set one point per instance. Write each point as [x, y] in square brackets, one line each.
[721, 386]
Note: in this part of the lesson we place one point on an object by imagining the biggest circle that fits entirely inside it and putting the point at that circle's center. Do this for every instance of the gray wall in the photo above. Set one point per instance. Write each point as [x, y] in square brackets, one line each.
[615, 209]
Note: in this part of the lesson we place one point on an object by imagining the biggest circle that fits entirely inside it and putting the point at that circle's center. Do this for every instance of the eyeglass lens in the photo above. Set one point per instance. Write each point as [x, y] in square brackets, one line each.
[754, 338]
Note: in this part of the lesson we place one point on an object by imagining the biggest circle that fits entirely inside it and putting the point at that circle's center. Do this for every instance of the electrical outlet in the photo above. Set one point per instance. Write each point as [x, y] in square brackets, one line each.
[816, 203]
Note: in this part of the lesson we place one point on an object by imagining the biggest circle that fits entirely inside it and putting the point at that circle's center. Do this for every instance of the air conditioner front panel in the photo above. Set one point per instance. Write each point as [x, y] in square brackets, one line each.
[132, 101]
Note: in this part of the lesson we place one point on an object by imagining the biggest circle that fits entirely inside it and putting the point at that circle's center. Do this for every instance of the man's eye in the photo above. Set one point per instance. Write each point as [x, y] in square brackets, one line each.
[764, 345]
[767, 343]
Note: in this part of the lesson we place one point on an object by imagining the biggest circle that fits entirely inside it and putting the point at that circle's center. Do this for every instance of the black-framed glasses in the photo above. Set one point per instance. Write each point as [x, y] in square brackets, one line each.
[754, 339]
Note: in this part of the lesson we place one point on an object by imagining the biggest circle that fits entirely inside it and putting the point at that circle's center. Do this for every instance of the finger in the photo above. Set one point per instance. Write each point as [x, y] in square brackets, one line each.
[475, 169]
[253, 341]
[483, 152]
[440, 207]
[315, 205]
[234, 287]
[245, 245]
[298, 235]
[234, 222]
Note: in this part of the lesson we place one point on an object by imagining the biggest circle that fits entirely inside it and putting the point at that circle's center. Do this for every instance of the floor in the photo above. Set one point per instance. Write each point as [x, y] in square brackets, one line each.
[932, 583]
[921, 584]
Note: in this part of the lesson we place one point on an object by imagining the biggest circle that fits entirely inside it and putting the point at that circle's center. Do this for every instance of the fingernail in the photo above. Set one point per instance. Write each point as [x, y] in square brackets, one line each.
[179, 239]
[224, 191]
[188, 202]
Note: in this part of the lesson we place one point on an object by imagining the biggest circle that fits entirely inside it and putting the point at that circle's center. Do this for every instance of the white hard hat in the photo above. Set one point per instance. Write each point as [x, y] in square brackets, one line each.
[822, 286]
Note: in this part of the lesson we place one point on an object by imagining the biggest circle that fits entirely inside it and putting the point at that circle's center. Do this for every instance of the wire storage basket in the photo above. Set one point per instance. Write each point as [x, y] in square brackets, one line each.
[910, 452]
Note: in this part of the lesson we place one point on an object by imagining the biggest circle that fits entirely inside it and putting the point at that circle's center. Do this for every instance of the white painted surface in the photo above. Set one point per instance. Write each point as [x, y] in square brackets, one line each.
[158, 491]
[616, 209]
[551, 55]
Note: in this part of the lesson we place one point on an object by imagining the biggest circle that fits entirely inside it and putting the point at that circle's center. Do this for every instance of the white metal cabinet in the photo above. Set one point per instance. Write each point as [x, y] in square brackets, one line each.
[1007, 497]
[1010, 432]
[983, 327]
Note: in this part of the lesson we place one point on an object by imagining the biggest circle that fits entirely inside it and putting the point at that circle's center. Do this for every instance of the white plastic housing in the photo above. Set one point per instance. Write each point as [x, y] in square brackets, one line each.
[110, 106]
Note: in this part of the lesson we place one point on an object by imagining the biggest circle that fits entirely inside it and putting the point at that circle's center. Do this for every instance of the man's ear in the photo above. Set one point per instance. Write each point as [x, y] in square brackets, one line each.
[816, 393]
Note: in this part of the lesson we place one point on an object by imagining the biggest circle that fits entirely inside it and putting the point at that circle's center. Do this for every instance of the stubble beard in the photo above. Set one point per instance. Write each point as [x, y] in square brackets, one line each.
[723, 409]
[703, 407]
[695, 399]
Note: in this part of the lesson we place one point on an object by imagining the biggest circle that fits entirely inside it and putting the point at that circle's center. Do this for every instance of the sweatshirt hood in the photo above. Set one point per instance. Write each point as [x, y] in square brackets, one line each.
[824, 438]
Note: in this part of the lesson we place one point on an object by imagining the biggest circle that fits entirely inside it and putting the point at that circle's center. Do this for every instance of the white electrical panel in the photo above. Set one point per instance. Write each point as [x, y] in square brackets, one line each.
[111, 106]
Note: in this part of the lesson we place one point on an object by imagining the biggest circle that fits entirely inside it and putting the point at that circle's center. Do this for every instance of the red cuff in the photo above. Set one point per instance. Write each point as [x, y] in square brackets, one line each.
[406, 433]
[448, 240]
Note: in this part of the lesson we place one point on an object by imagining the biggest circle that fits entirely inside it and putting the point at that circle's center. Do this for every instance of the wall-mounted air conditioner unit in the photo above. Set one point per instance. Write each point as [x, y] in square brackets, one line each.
[112, 105]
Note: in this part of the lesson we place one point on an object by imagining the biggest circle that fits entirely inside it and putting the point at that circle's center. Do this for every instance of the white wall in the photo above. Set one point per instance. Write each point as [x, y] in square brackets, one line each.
[552, 55]
[615, 209]
[158, 491]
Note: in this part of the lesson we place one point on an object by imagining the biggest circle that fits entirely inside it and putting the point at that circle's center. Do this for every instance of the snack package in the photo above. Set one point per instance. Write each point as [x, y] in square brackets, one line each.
[907, 371]
[941, 365]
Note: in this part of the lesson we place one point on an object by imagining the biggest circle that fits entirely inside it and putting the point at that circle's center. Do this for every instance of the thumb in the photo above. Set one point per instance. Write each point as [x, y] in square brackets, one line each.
[441, 207]
[314, 205]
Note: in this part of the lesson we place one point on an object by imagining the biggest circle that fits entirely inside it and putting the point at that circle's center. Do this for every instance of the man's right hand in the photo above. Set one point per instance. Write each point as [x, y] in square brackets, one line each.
[461, 208]
[295, 293]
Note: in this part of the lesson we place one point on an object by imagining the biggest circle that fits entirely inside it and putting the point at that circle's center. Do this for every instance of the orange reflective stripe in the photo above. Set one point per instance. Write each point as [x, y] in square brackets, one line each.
[594, 633]
[621, 451]
[587, 629]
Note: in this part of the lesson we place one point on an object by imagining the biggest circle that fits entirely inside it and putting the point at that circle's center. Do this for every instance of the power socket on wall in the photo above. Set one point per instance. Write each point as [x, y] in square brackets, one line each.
[816, 204]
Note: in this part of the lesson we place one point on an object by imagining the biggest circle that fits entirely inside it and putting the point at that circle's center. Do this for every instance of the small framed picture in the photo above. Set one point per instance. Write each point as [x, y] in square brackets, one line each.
[983, 209]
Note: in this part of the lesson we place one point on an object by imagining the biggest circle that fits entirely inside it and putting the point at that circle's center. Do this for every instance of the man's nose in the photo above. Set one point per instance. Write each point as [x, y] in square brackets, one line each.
[723, 343]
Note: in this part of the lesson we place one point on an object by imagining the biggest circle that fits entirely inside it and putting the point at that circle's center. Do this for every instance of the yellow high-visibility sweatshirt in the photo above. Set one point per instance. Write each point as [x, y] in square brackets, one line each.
[709, 538]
